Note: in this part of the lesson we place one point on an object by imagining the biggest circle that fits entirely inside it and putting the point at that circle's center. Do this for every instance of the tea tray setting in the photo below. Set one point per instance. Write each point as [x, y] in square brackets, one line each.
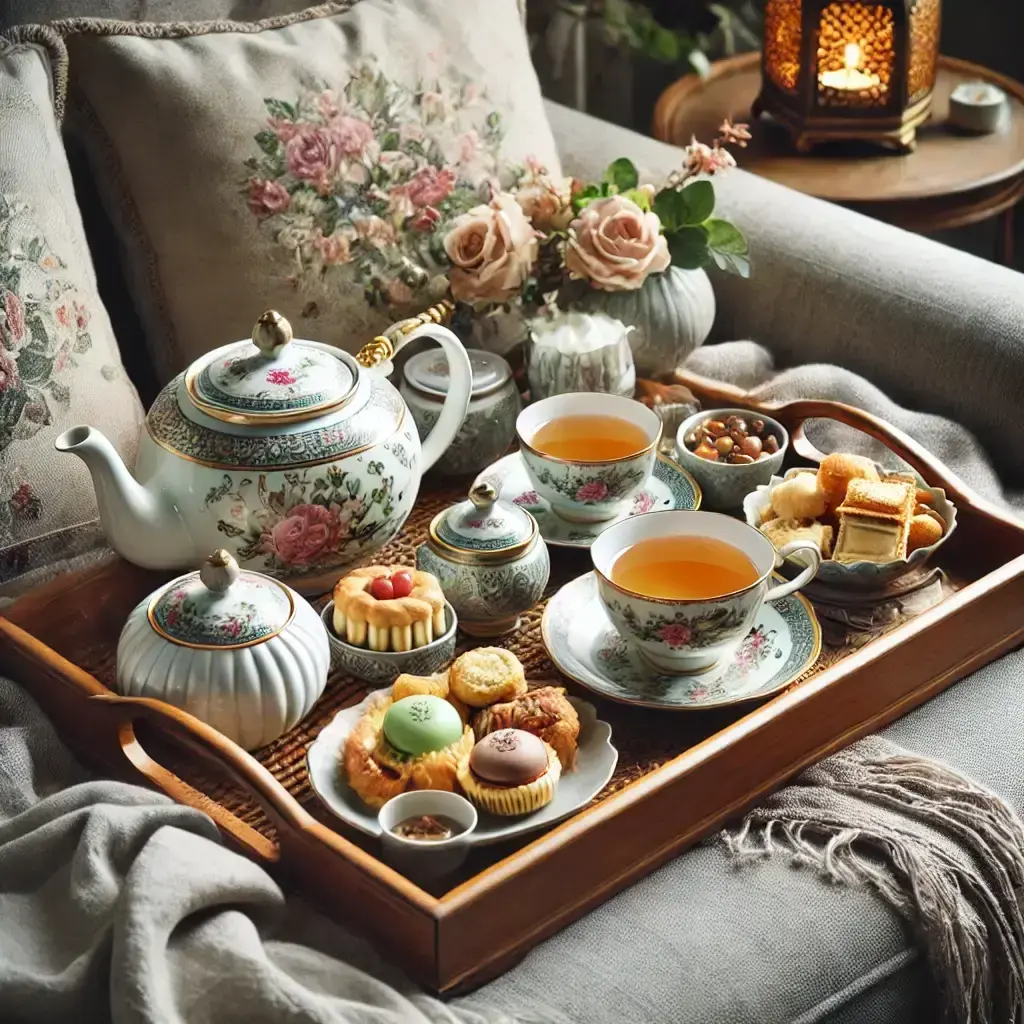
[625, 780]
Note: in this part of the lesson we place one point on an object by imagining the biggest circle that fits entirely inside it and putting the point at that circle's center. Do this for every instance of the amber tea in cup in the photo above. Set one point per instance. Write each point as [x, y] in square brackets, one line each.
[589, 438]
[687, 568]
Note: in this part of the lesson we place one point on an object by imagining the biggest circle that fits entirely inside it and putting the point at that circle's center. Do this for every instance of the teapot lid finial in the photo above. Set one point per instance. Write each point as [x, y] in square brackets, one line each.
[483, 494]
[219, 571]
[271, 333]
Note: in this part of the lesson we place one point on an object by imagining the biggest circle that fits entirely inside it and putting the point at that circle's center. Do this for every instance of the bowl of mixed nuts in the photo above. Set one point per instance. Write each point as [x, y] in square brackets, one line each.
[730, 452]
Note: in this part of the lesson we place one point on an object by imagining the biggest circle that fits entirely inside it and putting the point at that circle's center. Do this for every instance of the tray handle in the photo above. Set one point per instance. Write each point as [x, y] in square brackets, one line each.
[794, 415]
[214, 749]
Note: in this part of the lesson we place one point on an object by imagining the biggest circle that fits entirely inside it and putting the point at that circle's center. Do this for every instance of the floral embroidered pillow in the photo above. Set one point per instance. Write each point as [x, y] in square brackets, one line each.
[59, 363]
[307, 164]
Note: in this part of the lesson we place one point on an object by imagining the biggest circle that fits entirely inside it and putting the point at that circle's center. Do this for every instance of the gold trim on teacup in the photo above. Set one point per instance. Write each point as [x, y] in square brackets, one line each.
[591, 462]
[466, 557]
[761, 695]
[689, 600]
[217, 647]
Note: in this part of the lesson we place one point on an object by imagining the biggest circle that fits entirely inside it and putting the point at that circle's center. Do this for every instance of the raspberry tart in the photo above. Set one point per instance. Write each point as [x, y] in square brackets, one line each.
[388, 608]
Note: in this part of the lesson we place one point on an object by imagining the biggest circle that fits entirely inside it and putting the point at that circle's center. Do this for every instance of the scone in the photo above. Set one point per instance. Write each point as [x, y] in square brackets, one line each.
[837, 470]
[545, 712]
[799, 497]
[782, 531]
[510, 772]
[388, 608]
[485, 676]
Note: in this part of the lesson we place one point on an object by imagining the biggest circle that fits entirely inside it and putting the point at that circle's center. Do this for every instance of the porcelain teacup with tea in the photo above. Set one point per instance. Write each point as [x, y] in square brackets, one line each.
[684, 588]
[588, 454]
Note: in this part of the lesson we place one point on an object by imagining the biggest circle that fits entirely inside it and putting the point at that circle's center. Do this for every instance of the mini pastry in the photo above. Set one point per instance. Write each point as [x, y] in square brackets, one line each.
[837, 470]
[414, 743]
[925, 530]
[870, 537]
[407, 685]
[782, 531]
[799, 497]
[485, 676]
[388, 608]
[510, 772]
[894, 498]
[545, 712]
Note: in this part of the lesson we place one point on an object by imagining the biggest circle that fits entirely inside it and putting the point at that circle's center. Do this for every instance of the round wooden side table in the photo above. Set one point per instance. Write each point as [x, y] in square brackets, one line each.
[951, 180]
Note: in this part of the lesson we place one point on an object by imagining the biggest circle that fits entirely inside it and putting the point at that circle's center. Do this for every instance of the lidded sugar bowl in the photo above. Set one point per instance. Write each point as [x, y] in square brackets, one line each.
[490, 560]
[490, 424]
[236, 649]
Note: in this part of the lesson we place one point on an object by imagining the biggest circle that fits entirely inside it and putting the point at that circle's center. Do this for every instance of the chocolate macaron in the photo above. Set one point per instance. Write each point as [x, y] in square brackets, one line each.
[510, 772]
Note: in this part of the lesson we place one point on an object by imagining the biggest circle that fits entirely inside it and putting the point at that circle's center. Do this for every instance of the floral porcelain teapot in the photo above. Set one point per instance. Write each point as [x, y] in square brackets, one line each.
[293, 455]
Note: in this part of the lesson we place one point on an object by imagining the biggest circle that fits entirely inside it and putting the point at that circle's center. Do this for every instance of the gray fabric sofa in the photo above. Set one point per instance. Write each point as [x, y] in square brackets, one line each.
[700, 940]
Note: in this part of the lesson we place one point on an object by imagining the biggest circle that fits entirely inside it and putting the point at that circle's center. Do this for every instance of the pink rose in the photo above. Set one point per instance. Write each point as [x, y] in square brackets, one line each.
[351, 134]
[172, 617]
[313, 155]
[675, 634]
[528, 498]
[8, 370]
[430, 185]
[614, 245]
[596, 490]
[698, 693]
[699, 158]
[15, 316]
[267, 197]
[81, 317]
[492, 249]
[285, 130]
[547, 202]
[308, 533]
[642, 503]
[279, 377]
[426, 220]
[62, 316]
[334, 248]
[328, 105]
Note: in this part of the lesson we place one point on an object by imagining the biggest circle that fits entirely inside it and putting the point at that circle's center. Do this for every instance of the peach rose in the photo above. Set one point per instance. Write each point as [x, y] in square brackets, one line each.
[492, 249]
[614, 245]
[547, 202]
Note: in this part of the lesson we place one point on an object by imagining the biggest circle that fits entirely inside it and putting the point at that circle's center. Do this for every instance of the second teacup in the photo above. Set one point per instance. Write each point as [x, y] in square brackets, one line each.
[588, 453]
[719, 576]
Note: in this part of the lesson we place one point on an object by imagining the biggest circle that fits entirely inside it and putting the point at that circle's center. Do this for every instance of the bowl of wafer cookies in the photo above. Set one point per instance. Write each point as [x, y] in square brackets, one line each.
[872, 525]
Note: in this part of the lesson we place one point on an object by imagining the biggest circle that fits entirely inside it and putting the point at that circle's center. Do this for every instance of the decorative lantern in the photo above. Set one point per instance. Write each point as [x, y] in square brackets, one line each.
[846, 69]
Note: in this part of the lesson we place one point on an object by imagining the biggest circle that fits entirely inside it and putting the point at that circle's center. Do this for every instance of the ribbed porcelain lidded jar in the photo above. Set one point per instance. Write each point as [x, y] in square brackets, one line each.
[490, 559]
[238, 650]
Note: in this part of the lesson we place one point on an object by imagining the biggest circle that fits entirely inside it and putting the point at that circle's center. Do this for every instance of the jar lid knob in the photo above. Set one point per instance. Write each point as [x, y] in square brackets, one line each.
[271, 333]
[483, 495]
[219, 571]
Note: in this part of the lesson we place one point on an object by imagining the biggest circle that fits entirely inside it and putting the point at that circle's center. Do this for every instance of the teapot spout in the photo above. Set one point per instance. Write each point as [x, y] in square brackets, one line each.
[142, 527]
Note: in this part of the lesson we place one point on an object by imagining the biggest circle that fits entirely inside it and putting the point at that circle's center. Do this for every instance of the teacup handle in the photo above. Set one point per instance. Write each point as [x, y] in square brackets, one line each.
[805, 577]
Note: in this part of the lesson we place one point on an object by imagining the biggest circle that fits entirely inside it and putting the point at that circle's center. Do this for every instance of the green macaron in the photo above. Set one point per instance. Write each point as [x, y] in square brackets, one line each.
[421, 723]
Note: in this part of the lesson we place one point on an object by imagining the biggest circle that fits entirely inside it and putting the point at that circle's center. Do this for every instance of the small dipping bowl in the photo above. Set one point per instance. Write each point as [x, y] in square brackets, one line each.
[724, 484]
[384, 667]
[977, 107]
[426, 858]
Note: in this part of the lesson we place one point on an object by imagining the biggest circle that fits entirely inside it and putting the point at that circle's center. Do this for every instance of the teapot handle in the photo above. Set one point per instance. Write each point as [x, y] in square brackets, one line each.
[460, 373]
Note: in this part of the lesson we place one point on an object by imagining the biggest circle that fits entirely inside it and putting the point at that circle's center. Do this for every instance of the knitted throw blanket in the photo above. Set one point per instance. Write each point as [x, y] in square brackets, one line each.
[944, 851]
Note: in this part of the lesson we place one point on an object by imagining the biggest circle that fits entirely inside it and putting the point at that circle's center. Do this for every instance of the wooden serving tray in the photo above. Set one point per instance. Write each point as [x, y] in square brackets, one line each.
[680, 776]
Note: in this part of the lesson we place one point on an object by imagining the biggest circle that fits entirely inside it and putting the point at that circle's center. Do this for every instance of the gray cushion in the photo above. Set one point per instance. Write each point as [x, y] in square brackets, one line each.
[32, 12]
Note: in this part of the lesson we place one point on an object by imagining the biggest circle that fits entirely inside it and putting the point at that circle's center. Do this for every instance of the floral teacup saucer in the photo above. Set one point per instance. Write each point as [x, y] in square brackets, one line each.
[669, 487]
[783, 643]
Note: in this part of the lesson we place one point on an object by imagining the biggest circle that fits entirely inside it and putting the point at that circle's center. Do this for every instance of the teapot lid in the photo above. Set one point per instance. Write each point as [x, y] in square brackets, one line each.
[428, 372]
[220, 606]
[483, 528]
[273, 379]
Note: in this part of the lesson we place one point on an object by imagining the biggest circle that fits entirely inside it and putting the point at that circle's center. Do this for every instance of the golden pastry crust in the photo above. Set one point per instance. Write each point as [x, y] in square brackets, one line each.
[377, 772]
[545, 712]
[782, 531]
[509, 801]
[893, 498]
[925, 530]
[485, 676]
[799, 497]
[407, 685]
[395, 624]
[837, 470]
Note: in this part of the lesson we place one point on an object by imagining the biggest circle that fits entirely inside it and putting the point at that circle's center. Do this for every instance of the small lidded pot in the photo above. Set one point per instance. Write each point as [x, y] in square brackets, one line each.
[490, 423]
[236, 649]
[490, 560]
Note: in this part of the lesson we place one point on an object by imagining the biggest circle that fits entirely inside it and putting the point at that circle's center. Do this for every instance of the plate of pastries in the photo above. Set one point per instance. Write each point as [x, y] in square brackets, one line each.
[525, 756]
[871, 525]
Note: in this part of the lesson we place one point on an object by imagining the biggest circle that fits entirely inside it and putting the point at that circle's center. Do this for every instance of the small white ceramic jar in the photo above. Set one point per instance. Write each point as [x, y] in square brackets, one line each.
[236, 649]
[490, 560]
[490, 423]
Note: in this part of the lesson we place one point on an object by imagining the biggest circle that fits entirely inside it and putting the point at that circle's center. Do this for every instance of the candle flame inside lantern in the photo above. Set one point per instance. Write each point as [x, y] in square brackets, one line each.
[851, 56]
[850, 78]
